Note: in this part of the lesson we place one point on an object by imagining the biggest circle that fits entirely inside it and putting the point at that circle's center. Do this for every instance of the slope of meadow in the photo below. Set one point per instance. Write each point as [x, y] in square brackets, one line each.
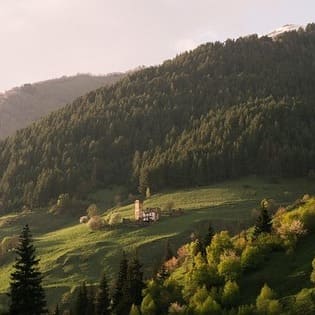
[71, 253]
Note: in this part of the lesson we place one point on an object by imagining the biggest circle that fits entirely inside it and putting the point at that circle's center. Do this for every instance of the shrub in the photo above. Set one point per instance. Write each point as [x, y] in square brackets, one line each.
[9, 243]
[169, 206]
[251, 257]
[171, 264]
[230, 265]
[114, 218]
[230, 294]
[269, 242]
[176, 308]
[220, 243]
[202, 303]
[148, 306]
[266, 302]
[95, 223]
[291, 231]
[304, 302]
[92, 210]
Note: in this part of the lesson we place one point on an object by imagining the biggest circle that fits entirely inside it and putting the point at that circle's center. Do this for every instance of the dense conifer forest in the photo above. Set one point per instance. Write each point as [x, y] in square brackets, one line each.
[223, 110]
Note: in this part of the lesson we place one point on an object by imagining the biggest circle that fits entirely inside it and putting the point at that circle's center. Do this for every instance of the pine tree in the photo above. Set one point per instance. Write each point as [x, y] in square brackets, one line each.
[57, 312]
[207, 240]
[135, 281]
[102, 301]
[168, 251]
[130, 288]
[263, 222]
[209, 235]
[81, 305]
[26, 291]
[120, 283]
[90, 309]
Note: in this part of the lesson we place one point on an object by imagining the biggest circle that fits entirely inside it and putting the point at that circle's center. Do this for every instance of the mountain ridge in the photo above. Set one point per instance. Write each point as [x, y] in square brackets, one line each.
[122, 134]
[25, 104]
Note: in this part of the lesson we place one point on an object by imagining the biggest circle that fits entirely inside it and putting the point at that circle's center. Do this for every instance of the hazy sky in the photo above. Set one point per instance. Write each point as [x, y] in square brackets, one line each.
[42, 39]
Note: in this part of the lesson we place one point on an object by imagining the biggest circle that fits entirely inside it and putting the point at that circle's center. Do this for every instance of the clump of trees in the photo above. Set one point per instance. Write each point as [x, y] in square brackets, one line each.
[126, 296]
[67, 205]
[210, 284]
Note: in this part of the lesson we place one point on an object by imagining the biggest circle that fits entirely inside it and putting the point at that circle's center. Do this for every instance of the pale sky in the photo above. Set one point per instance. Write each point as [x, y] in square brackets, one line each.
[44, 39]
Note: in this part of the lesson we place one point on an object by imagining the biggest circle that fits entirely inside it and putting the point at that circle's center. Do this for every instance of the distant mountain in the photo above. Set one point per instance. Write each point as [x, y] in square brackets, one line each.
[23, 105]
[223, 110]
[284, 29]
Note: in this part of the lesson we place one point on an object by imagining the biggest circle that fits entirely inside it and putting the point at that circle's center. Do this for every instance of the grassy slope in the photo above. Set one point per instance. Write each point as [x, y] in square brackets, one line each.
[285, 273]
[71, 252]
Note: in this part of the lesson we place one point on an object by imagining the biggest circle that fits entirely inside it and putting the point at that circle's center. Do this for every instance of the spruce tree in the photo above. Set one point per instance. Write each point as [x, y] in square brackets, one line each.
[90, 309]
[26, 291]
[102, 301]
[135, 282]
[209, 235]
[56, 312]
[168, 251]
[81, 304]
[129, 286]
[263, 222]
[207, 240]
[120, 283]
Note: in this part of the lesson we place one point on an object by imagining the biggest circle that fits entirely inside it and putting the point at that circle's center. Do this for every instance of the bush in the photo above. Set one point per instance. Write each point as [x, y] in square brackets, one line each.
[230, 294]
[148, 306]
[176, 308]
[114, 218]
[9, 243]
[92, 210]
[230, 265]
[169, 206]
[266, 302]
[95, 223]
[202, 303]
[304, 302]
[220, 243]
[251, 257]
[269, 242]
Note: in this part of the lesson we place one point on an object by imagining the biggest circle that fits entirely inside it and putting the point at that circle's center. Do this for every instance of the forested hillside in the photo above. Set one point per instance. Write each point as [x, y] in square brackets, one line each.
[23, 105]
[223, 110]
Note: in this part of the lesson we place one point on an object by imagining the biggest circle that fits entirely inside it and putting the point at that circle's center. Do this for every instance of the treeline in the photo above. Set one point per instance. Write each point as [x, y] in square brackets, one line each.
[220, 111]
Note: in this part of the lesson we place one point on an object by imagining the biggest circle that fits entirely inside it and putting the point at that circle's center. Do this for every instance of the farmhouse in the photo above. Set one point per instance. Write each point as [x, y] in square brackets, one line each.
[146, 215]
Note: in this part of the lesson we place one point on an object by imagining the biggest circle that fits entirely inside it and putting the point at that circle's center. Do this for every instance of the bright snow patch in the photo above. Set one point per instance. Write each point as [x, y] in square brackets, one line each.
[284, 29]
